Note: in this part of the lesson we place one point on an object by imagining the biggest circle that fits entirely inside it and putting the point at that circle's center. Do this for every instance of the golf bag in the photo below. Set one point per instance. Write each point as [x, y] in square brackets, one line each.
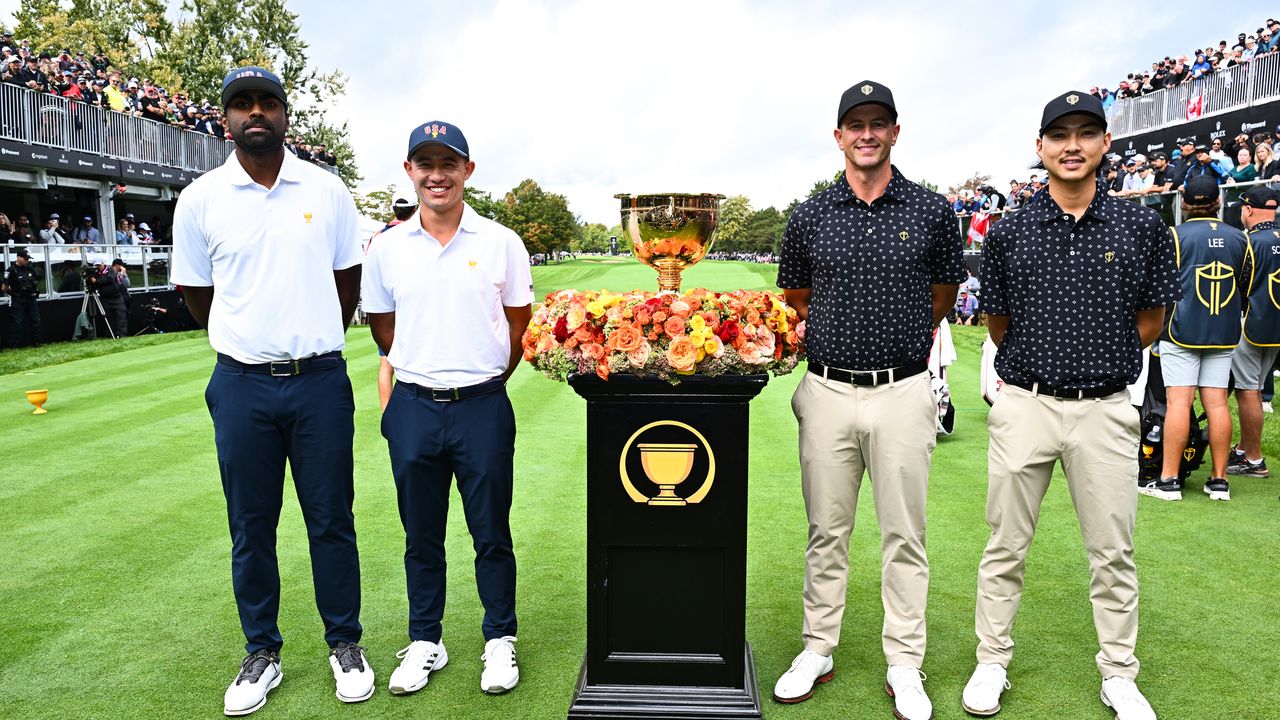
[1151, 444]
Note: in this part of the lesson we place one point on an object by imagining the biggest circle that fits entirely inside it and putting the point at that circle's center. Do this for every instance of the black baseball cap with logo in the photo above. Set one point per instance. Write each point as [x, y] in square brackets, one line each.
[1261, 197]
[251, 78]
[1200, 190]
[1072, 103]
[867, 91]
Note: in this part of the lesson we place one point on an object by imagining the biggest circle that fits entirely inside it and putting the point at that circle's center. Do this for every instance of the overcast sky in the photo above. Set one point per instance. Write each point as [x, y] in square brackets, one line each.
[593, 98]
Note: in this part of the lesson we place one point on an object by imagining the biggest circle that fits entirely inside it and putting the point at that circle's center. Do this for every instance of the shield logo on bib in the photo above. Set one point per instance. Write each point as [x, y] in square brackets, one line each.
[1215, 285]
[1272, 280]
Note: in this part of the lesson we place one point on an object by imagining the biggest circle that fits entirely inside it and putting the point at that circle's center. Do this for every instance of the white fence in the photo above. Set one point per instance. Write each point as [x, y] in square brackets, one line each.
[147, 265]
[1230, 89]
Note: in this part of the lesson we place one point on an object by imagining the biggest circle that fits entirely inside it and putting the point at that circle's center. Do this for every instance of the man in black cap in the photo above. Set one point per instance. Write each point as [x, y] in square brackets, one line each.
[1066, 366]
[1215, 263]
[453, 343]
[22, 285]
[278, 393]
[871, 265]
[1178, 167]
[1260, 341]
[1204, 166]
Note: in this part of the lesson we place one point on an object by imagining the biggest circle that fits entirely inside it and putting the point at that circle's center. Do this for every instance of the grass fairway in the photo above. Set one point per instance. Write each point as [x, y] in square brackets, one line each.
[116, 594]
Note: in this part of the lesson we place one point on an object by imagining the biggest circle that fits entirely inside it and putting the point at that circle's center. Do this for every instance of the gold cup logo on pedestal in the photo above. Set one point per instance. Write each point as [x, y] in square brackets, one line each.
[671, 231]
[667, 465]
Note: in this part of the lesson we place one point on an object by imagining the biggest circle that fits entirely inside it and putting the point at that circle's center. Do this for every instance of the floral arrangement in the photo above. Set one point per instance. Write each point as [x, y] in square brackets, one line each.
[668, 335]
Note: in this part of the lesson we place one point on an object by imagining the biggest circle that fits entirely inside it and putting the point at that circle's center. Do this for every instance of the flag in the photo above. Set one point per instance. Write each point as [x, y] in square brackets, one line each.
[978, 226]
[1195, 107]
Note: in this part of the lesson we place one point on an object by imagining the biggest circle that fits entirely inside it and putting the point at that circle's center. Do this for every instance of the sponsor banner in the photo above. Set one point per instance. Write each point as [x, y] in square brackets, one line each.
[77, 163]
[1259, 118]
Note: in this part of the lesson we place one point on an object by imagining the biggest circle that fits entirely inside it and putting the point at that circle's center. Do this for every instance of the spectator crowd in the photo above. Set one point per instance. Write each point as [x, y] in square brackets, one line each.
[1173, 71]
[54, 232]
[94, 80]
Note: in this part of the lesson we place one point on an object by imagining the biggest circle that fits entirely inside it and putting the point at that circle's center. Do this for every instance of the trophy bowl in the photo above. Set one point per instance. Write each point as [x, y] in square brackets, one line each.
[667, 465]
[38, 398]
[670, 231]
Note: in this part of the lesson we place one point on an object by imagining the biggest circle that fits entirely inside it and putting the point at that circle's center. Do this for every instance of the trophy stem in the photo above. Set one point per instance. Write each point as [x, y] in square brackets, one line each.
[669, 270]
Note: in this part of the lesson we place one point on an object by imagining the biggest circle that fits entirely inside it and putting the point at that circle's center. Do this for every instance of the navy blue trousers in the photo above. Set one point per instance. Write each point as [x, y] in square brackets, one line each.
[431, 443]
[260, 421]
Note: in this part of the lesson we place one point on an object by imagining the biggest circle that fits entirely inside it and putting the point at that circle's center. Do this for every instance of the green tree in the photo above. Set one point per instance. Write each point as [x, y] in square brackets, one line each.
[818, 187]
[763, 231]
[594, 238]
[482, 202]
[126, 31]
[734, 213]
[376, 204]
[541, 218]
[973, 183]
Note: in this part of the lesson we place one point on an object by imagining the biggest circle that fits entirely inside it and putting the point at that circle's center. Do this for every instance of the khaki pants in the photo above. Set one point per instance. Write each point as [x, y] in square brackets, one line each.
[889, 431]
[1097, 442]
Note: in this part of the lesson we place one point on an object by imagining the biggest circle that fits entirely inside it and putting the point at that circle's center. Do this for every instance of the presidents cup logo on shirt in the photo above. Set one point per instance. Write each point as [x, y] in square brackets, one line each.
[307, 216]
[903, 236]
[1109, 255]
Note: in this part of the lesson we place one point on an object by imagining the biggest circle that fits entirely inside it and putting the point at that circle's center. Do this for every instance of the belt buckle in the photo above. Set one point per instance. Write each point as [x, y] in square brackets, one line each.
[444, 394]
[291, 367]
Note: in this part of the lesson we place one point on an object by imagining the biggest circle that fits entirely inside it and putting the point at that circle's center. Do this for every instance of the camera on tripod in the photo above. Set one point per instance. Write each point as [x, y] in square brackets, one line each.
[91, 276]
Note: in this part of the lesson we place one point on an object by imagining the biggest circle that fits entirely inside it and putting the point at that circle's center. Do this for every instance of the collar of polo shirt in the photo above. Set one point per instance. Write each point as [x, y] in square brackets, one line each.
[893, 191]
[290, 170]
[1049, 211]
[469, 223]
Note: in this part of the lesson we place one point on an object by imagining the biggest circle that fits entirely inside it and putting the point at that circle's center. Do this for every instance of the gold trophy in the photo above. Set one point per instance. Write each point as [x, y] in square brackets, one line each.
[667, 465]
[38, 398]
[670, 232]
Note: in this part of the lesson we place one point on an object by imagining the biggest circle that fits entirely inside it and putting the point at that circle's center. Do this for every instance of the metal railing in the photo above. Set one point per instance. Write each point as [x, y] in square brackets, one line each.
[57, 122]
[59, 266]
[1229, 89]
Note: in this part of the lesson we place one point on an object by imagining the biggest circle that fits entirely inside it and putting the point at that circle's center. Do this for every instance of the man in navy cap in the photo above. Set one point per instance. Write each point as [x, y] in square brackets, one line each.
[1065, 367]
[453, 341]
[1260, 340]
[279, 390]
[1215, 263]
[871, 265]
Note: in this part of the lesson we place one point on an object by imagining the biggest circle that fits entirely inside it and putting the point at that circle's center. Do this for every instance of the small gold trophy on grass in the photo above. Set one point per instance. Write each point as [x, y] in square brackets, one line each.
[669, 232]
[38, 398]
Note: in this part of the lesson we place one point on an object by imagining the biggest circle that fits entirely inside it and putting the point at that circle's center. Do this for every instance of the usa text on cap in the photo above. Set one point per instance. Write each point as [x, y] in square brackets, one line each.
[1072, 103]
[251, 78]
[438, 132]
[867, 91]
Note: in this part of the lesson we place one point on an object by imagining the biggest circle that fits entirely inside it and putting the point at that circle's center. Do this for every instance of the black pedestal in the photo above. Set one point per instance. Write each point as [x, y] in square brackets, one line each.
[667, 563]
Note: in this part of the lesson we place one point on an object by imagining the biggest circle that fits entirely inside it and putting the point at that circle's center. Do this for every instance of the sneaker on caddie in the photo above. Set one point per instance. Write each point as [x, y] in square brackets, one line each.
[1217, 489]
[259, 675]
[1164, 489]
[982, 694]
[909, 701]
[416, 664]
[1248, 468]
[807, 671]
[1124, 697]
[351, 672]
[501, 673]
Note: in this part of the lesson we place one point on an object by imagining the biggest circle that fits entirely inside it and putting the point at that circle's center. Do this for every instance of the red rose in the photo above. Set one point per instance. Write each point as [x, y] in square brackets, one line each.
[562, 329]
[728, 331]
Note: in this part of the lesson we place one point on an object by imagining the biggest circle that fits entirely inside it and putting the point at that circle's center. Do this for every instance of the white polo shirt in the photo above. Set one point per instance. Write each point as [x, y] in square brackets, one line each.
[451, 330]
[269, 255]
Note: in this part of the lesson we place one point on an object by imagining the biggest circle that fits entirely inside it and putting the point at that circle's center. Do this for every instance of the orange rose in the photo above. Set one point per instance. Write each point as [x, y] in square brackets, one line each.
[674, 326]
[643, 314]
[546, 341]
[626, 338]
[660, 316]
[602, 370]
[592, 351]
[584, 333]
[682, 355]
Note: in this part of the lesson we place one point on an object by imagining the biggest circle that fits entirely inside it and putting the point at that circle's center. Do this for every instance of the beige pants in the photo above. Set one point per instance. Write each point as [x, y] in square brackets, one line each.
[888, 431]
[1097, 442]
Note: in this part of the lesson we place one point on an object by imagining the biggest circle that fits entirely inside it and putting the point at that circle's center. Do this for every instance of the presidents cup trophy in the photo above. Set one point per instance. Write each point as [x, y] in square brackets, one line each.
[669, 232]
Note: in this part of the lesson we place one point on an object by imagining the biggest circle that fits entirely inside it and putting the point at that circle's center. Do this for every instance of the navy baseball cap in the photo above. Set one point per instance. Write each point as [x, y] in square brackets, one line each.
[1200, 190]
[1261, 197]
[439, 133]
[251, 78]
[867, 91]
[1071, 103]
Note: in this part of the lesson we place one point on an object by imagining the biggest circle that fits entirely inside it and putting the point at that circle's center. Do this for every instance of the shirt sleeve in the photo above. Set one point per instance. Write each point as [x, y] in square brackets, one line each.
[192, 264]
[995, 298]
[945, 259]
[794, 271]
[517, 285]
[1161, 286]
[375, 296]
[346, 247]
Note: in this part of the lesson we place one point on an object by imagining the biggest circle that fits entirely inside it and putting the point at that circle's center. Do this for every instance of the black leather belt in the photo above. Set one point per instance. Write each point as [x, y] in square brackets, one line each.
[868, 377]
[1067, 394]
[285, 368]
[451, 394]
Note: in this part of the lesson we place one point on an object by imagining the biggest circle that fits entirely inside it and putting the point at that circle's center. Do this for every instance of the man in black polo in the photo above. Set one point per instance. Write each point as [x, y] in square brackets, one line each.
[1065, 366]
[1179, 166]
[22, 285]
[871, 264]
[1260, 341]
